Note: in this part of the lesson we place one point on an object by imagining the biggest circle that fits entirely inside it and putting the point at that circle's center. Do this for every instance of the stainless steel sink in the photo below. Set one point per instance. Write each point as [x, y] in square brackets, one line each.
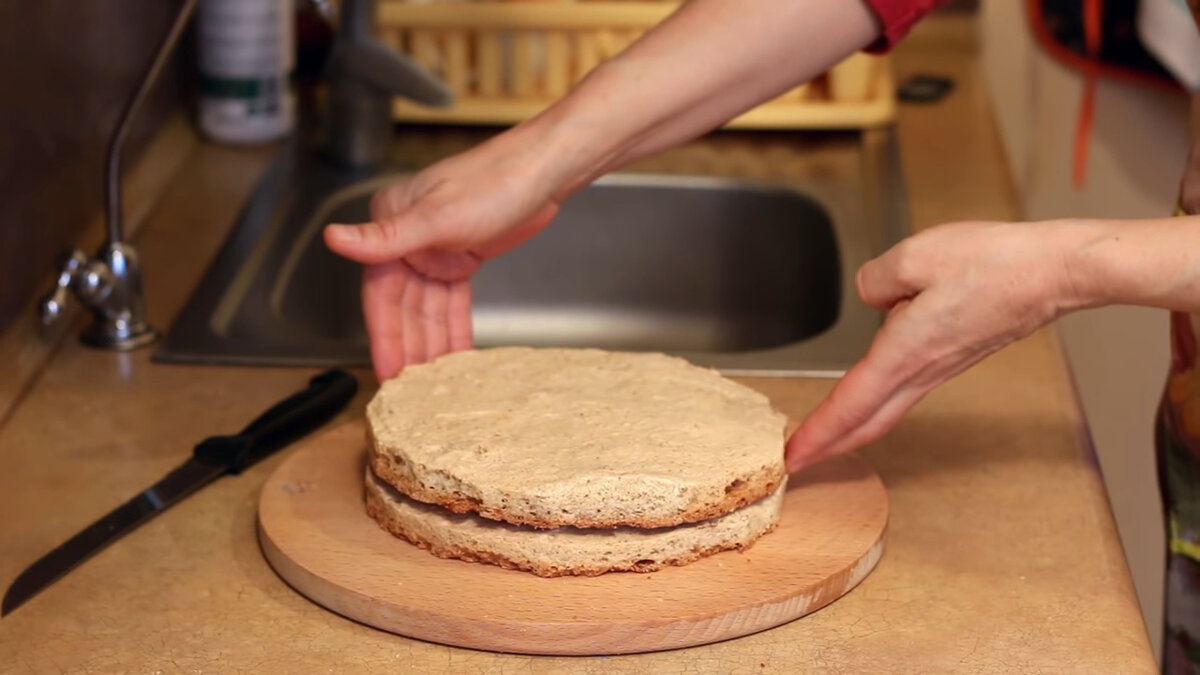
[753, 277]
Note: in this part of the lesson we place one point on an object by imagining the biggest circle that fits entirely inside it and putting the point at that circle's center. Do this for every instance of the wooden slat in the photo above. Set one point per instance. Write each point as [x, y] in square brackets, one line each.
[850, 81]
[457, 73]
[627, 37]
[797, 94]
[520, 16]
[610, 44]
[524, 66]
[489, 63]
[425, 51]
[587, 53]
[558, 63]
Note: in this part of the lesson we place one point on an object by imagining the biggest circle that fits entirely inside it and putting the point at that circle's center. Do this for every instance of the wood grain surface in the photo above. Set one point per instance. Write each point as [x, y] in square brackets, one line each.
[317, 536]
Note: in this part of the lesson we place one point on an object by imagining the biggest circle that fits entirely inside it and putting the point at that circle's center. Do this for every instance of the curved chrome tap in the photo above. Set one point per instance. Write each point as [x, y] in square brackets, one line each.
[364, 74]
[110, 284]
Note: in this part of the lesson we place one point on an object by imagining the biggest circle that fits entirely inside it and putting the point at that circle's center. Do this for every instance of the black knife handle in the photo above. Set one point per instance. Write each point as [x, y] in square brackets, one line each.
[286, 421]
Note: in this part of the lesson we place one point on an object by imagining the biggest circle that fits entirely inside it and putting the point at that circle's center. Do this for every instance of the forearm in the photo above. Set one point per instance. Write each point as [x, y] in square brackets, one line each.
[1153, 263]
[707, 63]
[792, 42]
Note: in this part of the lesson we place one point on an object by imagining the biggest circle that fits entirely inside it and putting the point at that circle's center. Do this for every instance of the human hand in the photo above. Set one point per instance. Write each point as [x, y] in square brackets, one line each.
[954, 294]
[429, 233]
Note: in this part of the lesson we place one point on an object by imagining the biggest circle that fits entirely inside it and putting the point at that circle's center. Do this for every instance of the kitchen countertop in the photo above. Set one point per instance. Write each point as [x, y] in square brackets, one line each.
[1002, 555]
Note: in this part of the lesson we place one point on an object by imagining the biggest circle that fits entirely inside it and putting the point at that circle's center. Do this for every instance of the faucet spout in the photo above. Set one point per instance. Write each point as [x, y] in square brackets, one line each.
[364, 76]
[110, 284]
[374, 63]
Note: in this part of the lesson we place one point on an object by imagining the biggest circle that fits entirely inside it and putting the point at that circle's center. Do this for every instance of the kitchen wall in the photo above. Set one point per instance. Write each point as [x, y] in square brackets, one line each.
[1119, 355]
[66, 69]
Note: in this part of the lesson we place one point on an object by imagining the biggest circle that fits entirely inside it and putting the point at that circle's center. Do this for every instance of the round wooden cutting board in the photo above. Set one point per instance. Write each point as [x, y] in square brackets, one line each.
[316, 534]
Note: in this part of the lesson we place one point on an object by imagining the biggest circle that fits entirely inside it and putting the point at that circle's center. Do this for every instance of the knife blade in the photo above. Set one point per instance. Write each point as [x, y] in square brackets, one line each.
[212, 458]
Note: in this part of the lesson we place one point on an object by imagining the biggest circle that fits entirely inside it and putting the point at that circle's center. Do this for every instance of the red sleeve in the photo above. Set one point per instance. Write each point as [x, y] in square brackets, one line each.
[897, 18]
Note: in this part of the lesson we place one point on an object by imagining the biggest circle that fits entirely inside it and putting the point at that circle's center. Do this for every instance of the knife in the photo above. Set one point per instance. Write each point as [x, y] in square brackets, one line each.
[213, 458]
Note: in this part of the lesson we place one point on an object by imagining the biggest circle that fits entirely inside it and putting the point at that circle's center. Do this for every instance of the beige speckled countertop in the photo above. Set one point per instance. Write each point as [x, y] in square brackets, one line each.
[1002, 554]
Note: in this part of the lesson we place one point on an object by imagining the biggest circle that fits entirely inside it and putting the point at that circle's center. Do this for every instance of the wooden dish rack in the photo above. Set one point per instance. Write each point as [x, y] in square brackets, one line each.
[507, 60]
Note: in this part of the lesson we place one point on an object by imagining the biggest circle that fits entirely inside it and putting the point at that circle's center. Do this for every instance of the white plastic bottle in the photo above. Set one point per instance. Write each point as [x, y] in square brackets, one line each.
[247, 53]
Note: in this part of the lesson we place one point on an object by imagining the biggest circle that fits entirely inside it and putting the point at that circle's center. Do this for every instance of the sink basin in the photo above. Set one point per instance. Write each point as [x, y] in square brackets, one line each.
[632, 262]
[747, 276]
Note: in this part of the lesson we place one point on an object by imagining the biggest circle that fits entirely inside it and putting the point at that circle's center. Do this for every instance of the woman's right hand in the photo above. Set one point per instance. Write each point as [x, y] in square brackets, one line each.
[429, 233]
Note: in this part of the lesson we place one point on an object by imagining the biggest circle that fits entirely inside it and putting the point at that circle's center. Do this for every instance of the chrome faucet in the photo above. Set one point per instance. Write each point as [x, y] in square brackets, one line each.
[110, 284]
[364, 75]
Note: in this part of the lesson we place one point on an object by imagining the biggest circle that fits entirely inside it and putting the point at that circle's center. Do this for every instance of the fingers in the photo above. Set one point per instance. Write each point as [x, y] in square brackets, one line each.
[412, 304]
[385, 239]
[886, 280]
[957, 294]
[444, 265]
[870, 397]
[818, 438]
[876, 392]
[434, 319]
[911, 355]
[393, 307]
[411, 319]
[844, 415]
[382, 291]
[458, 312]
[412, 233]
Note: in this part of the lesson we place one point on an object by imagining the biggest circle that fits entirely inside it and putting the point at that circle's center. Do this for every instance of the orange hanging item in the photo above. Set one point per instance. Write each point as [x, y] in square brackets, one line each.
[1098, 39]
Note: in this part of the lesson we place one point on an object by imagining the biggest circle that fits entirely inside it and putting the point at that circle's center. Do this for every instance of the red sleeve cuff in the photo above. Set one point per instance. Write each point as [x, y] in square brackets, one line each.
[897, 17]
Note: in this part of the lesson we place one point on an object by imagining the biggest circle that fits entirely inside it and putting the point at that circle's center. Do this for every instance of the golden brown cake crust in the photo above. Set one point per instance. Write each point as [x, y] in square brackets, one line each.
[383, 505]
[575, 437]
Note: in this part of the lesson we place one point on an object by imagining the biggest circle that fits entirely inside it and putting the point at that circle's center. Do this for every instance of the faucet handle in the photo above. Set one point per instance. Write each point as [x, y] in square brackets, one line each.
[110, 285]
[53, 306]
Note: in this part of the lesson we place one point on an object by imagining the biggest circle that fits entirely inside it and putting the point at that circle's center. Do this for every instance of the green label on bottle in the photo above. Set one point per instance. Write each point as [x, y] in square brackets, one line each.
[238, 88]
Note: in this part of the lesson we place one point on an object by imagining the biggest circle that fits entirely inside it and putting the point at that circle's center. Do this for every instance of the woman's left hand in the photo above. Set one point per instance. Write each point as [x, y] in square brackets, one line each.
[954, 294]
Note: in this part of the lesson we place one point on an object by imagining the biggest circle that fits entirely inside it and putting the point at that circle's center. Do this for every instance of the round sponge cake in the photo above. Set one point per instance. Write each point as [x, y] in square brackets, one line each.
[575, 437]
[566, 550]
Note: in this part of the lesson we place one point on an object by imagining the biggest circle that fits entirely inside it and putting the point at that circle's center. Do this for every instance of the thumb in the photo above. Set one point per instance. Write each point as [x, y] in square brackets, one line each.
[887, 280]
[382, 240]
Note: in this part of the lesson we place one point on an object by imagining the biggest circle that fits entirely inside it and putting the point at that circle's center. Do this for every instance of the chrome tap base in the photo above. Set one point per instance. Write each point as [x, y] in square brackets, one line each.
[117, 336]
